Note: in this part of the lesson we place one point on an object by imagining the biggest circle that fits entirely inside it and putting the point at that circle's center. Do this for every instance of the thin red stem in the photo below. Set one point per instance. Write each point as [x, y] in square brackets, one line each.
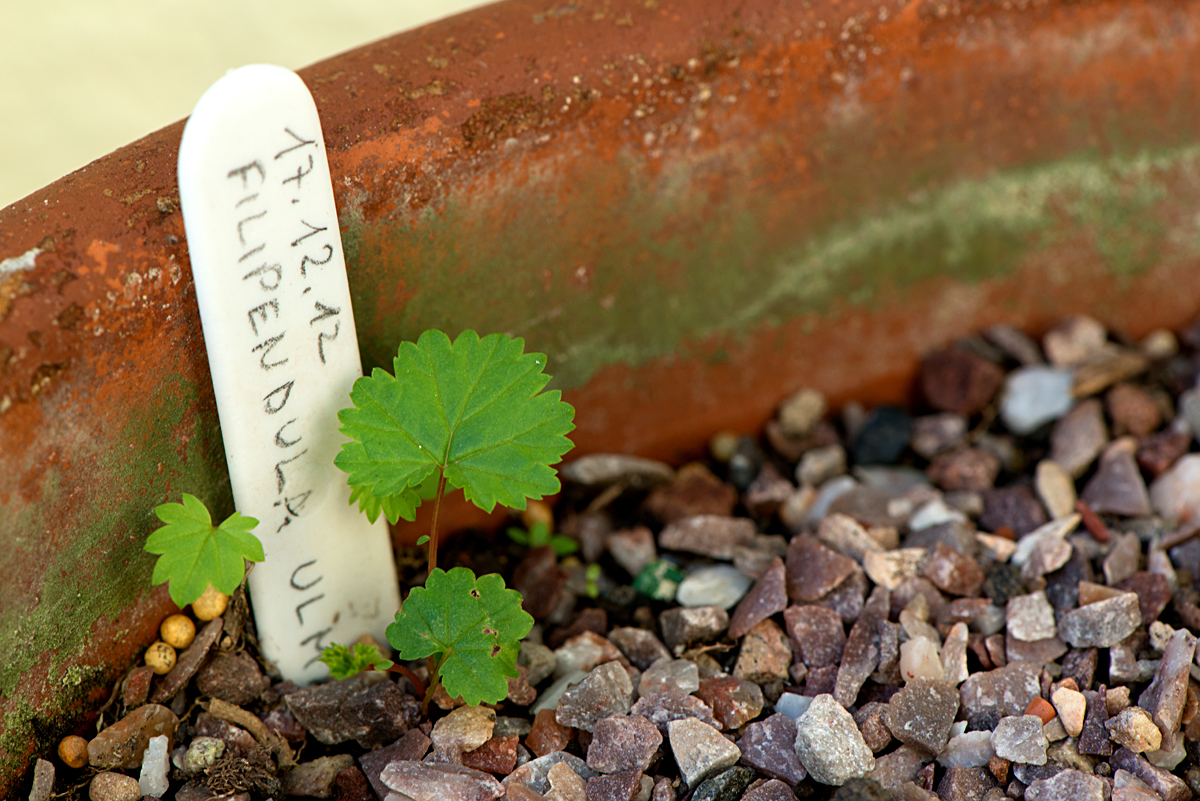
[417, 684]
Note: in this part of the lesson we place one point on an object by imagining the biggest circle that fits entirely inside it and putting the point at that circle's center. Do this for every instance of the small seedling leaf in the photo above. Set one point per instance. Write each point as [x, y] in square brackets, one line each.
[193, 553]
[344, 661]
[423, 539]
[564, 546]
[471, 626]
[473, 410]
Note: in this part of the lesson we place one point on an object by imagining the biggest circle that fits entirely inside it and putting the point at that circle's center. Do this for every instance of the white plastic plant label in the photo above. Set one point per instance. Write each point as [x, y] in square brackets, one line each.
[270, 280]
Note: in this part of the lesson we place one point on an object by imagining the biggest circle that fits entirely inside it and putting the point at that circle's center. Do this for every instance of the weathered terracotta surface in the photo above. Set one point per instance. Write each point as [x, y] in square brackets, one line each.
[693, 206]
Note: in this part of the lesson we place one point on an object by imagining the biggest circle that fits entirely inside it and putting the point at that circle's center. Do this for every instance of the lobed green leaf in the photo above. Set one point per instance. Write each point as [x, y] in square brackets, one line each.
[193, 553]
[471, 626]
[473, 409]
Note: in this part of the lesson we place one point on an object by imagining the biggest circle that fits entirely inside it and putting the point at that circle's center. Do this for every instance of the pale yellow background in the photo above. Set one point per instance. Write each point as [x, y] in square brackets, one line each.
[84, 77]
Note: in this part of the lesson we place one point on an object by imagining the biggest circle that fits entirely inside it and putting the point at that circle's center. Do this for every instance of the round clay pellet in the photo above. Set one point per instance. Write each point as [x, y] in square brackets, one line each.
[160, 657]
[210, 605]
[73, 751]
[177, 631]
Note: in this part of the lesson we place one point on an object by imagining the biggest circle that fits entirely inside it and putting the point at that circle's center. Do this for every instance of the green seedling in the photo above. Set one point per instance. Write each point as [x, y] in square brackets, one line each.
[470, 627]
[592, 576]
[472, 415]
[539, 535]
[344, 661]
[193, 553]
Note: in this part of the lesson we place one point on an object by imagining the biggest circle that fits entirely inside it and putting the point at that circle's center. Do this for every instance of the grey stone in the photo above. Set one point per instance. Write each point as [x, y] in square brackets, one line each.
[662, 708]
[315, 779]
[770, 790]
[1102, 624]
[464, 729]
[439, 781]
[766, 654]
[232, 677]
[813, 569]
[897, 767]
[1033, 396]
[922, 712]
[1079, 437]
[670, 676]
[683, 626]
[965, 784]
[43, 781]
[1030, 617]
[714, 536]
[623, 785]
[605, 469]
[1164, 698]
[410, 747]
[1019, 738]
[935, 433]
[121, 745]
[713, 585]
[728, 785]
[819, 465]
[538, 660]
[641, 647]
[506, 725]
[818, 634]
[972, 749]
[829, 744]
[535, 774]
[1175, 495]
[1015, 343]
[1133, 728]
[767, 597]
[1007, 690]
[769, 746]
[155, 764]
[607, 690]
[367, 708]
[700, 750]
[1123, 558]
[582, 653]
[793, 705]
[109, 786]
[1117, 486]
[622, 742]
[1169, 787]
[632, 549]
[862, 653]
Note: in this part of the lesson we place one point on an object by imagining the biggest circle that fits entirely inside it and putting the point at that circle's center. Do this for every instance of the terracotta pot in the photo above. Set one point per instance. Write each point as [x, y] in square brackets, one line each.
[692, 207]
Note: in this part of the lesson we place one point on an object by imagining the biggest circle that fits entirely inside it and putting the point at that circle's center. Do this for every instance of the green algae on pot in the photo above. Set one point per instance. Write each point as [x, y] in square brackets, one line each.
[44, 653]
[765, 206]
[975, 229]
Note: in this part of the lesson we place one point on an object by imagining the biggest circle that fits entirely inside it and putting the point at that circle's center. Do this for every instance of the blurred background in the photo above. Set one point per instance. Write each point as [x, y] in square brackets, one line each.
[86, 77]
